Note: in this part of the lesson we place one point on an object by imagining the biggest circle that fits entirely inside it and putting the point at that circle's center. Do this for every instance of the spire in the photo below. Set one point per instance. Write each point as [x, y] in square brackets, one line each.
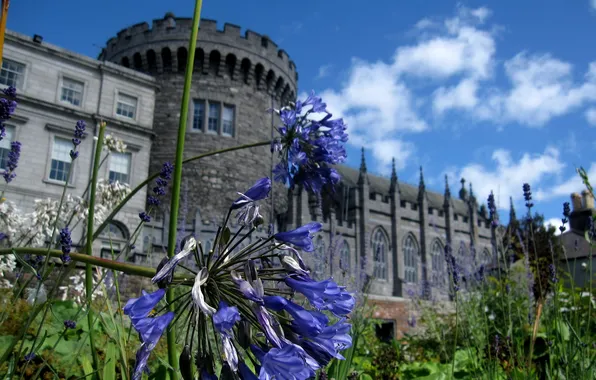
[362, 177]
[512, 215]
[393, 175]
[447, 190]
[421, 185]
[462, 192]
[472, 197]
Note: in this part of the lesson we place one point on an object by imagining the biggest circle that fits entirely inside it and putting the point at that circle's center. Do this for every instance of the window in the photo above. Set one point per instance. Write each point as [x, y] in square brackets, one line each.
[198, 119]
[228, 121]
[60, 165]
[411, 260]
[379, 246]
[213, 117]
[5, 147]
[126, 106]
[120, 167]
[12, 73]
[414, 206]
[72, 91]
[344, 256]
[430, 211]
[438, 271]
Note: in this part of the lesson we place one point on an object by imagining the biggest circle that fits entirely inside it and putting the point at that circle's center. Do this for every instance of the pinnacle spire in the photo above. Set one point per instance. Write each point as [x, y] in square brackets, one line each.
[421, 183]
[363, 177]
[463, 194]
[393, 175]
[447, 190]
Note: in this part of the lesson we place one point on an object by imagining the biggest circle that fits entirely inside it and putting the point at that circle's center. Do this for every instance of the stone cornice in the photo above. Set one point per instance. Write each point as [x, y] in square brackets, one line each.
[45, 48]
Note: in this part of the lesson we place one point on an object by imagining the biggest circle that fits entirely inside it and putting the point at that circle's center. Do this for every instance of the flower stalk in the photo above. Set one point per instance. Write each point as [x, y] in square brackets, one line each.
[177, 180]
[89, 243]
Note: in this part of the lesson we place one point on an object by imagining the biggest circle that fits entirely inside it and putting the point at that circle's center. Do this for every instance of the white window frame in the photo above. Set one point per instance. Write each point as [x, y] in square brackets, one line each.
[111, 161]
[20, 84]
[61, 88]
[192, 116]
[117, 100]
[6, 141]
[53, 138]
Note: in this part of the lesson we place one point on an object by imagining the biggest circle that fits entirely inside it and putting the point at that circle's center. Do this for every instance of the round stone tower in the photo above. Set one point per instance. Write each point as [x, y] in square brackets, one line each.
[236, 79]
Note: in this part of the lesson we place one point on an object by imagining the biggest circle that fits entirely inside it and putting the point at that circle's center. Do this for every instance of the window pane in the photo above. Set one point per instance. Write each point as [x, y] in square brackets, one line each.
[5, 146]
[213, 117]
[228, 120]
[12, 73]
[199, 114]
[72, 91]
[126, 106]
[60, 159]
[119, 167]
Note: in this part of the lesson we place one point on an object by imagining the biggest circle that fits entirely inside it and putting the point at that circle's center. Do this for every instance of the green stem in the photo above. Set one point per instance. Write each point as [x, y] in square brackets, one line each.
[153, 176]
[89, 245]
[175, 204]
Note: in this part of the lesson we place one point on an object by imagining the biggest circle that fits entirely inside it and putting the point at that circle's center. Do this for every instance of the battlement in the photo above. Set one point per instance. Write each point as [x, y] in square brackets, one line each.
[173, 32]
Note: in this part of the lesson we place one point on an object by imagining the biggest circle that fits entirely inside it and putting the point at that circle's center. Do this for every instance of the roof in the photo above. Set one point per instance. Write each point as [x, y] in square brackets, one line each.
[408, 192]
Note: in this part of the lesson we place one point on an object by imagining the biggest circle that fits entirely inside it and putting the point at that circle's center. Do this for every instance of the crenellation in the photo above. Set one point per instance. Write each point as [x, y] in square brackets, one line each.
[232, 30]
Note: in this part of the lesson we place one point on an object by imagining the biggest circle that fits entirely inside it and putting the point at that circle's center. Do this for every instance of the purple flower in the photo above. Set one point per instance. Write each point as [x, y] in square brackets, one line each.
[260, 190]
[305, 322]
[69, 324]
[323, 295]
[138, 308]
[66, 245]
[326, 345]
[144, 217]
[527, 195]
[301, 237]
[10, 91]
[165, 270]
[150, 331]
[285, 363]
[225, 318]
[76, 141]
[308, 146]
[30, 356]
[13, 161]
[142, 357]
[245, 372]
[161, 182]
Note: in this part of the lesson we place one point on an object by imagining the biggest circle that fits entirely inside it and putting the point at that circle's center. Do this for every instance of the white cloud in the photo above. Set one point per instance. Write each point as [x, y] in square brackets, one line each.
[593, 3]
[573, 184]
[509, 174]
[324, 71]
[555, 222]
[591, 114]
[461, 96]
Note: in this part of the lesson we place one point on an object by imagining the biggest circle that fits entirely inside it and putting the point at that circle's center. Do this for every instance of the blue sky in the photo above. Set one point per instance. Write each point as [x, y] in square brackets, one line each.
[500, 93]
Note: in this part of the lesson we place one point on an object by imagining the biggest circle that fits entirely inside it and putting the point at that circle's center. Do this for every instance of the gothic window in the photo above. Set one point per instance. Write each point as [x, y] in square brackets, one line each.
[344, 256]
[438, 264]
[114, 238]
[320, 256]
[411, 259]
[486, 256]
[379, 250]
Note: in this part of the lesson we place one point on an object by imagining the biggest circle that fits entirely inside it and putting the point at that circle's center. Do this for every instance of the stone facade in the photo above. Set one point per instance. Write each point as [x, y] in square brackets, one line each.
[47, 111]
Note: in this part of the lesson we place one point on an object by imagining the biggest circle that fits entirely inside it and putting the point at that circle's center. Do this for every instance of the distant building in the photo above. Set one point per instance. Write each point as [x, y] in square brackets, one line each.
[55, 88]
[578, 250]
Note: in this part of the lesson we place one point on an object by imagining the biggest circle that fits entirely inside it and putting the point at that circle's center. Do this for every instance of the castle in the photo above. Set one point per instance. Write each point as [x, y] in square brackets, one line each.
[396, 232]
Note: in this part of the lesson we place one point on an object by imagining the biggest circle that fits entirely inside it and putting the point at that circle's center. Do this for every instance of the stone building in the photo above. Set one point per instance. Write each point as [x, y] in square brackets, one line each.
[396, 231]
[55, 88]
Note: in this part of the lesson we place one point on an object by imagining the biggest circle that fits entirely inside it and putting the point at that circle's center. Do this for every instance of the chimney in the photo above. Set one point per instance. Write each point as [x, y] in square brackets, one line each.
[588, 200]
[576, 201]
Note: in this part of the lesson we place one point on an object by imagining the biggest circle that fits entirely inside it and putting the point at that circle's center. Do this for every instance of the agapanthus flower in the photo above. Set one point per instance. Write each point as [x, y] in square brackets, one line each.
[150, 329]
[236, 294]
[13, 161]
[247, 203]
[307, 146]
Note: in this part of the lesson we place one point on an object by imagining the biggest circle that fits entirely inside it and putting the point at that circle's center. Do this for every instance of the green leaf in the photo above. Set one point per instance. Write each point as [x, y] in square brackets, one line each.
[109, 369]
[563, 330]
[159, 374]
[225, 237]
[86, 364]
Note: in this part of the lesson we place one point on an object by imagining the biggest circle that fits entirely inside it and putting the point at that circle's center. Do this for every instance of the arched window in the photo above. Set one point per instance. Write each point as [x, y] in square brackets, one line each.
[486, 257]
[214, 61]
[410, 259]
[379, 250]
[125, 62]
[259, 72]
[151, 60]
[199, 58]
[114, 237]
[344, 256]
[438, 264]
[166, 59]
[182, 58]
[231, 65]
[245, 68]
[138, 61]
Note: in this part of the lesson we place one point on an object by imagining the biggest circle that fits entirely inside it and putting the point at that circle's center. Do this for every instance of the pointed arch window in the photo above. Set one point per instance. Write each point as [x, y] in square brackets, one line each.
[379, 249]
[410, 259]
[320, 256]
[344, 256]
[438, 264]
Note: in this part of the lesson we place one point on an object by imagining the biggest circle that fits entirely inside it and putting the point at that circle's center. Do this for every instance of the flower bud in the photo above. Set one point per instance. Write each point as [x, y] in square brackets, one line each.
[185, 363]
[168, 279]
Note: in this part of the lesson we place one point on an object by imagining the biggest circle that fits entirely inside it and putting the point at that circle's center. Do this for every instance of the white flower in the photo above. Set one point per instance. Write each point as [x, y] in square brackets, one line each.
[197, 294]
[114, 144]
[491, 317]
